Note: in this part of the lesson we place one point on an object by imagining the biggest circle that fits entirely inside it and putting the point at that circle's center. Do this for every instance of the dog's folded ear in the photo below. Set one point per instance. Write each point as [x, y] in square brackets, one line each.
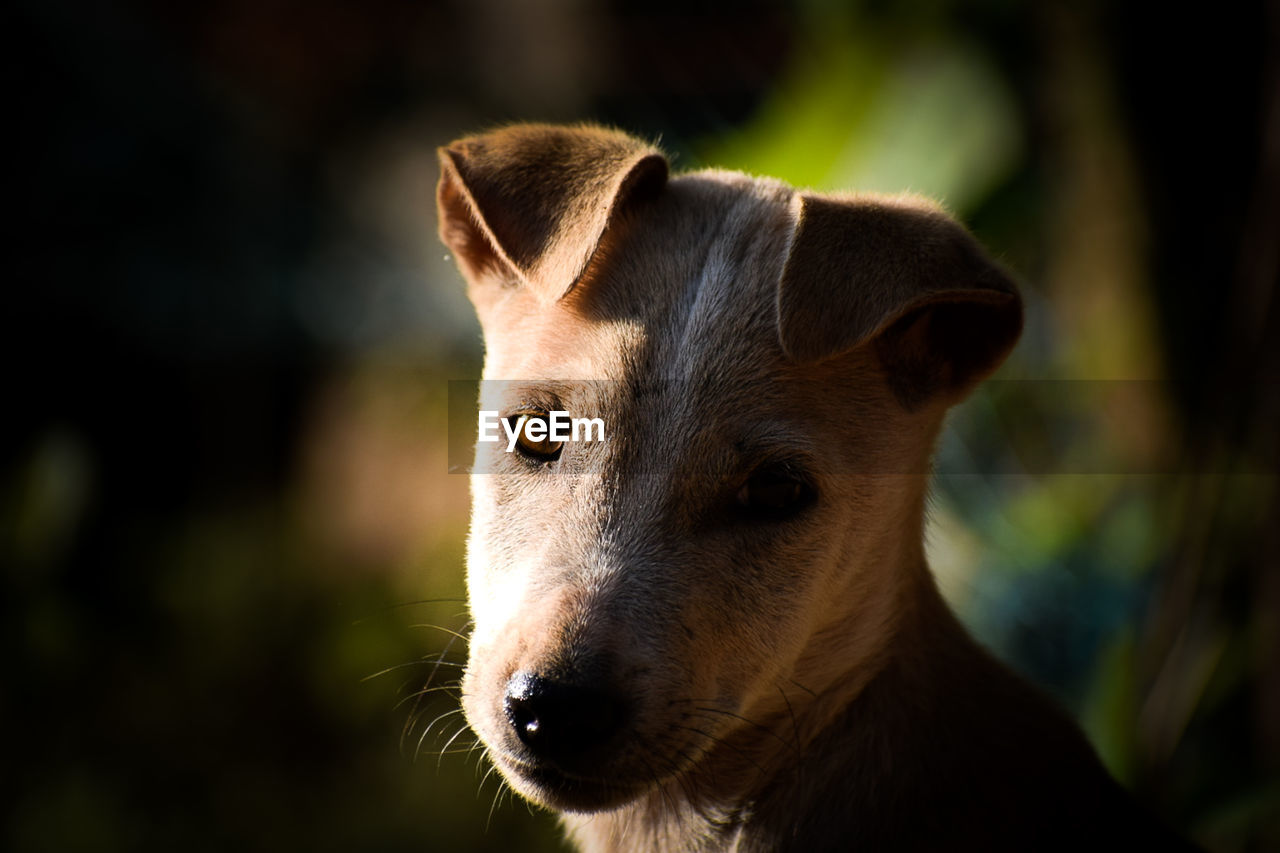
[902, 276]
[530, 204]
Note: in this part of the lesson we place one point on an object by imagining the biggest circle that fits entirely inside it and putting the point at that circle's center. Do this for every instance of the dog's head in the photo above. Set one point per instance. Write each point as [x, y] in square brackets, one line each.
[771, 368]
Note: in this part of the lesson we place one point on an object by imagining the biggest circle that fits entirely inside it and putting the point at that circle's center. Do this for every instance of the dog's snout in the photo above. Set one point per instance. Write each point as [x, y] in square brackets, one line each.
[559, 721]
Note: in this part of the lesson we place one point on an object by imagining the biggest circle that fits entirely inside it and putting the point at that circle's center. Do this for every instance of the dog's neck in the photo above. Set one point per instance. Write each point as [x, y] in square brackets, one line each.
[709, 807]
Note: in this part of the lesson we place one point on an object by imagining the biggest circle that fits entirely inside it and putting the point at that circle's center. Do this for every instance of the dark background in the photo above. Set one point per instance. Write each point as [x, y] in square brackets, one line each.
[230, 330]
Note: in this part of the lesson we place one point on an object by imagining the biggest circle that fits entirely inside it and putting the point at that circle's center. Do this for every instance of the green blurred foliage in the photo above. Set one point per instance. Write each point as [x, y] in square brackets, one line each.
[863, 109]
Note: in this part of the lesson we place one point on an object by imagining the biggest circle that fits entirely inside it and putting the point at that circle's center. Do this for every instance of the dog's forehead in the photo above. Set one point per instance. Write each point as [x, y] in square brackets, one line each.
[694, 282]
[696, 272]
[686, 288]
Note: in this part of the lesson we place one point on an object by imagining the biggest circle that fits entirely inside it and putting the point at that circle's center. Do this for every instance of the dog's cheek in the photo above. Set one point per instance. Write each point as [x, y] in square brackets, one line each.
[730, 654]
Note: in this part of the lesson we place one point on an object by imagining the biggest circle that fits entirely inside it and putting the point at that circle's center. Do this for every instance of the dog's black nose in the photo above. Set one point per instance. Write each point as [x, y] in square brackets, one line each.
[558, 721]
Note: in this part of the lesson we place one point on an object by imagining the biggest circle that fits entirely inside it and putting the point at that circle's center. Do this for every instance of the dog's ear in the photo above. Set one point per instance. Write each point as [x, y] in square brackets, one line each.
[903, 277]
[531, 203]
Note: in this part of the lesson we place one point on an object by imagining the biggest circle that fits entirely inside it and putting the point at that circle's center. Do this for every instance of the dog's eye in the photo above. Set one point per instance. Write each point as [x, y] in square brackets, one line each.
[774, 493]
[533, 437]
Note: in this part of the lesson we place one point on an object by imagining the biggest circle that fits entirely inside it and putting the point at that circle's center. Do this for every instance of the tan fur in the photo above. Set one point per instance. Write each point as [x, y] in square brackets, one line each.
[780, 683]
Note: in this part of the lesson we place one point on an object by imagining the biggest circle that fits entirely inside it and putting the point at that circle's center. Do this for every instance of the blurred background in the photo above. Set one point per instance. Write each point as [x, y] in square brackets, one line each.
[232, 552]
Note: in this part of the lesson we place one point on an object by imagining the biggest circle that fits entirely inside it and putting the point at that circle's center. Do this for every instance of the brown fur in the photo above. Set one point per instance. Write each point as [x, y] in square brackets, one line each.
[785, 681]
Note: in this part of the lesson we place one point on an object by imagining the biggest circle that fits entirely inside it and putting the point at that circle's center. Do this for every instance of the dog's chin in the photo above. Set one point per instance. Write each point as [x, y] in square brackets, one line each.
[565, 792]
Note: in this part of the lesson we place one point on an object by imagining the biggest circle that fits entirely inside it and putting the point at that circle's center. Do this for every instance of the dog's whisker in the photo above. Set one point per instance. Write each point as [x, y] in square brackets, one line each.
[657, 781]
[463, 729]
[485, 756]
[683, 780]
[427, 730]
[424, 661]
[418, 694]
[802, 687]
[450, 741]
[501, 783]
[390, 669]
[440, 659]
[688, 783]
[485, 778]
[427, 690]
[795, 725]
[497, 795]
[400, 605]
[437, 663]
[421, 601]
[419, 708]
[763, 728]
[719, 741]
[451, 632]
[688, 787]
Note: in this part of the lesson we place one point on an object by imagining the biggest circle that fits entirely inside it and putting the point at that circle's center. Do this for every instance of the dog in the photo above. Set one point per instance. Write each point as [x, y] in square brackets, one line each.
[716, 630]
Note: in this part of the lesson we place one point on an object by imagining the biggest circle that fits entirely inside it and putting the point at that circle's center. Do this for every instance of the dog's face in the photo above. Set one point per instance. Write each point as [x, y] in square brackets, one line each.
[771, 369]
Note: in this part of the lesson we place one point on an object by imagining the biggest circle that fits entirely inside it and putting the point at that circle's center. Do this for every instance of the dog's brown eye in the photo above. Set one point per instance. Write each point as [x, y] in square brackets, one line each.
[533, 436]
[774, 493]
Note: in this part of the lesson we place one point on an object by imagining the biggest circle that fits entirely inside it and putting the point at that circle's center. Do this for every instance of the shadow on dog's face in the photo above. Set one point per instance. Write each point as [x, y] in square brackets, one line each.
[681, 594]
